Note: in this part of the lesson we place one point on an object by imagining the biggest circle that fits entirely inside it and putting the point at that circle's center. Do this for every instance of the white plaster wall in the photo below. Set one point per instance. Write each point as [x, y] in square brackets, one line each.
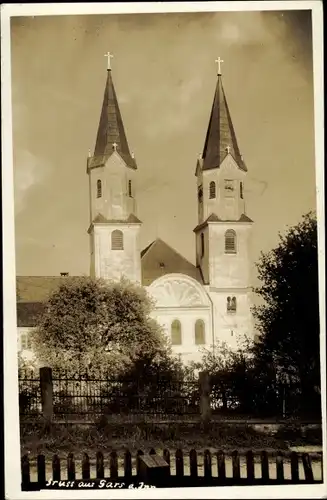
[114, 202]
[230, 208]
[232, 327]
[229, 270]
[113, 264]
[27, 354]
[188, 350]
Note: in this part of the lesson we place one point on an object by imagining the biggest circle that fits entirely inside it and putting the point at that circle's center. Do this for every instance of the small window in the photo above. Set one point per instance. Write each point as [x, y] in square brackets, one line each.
[199, 334]
[176, 332]
[117, 240]
[212, 190]
[99, 188]
[202, 244]
[241, 190]
[231, 304]
[230, 241]
[29, 342]
[130, 189]
[23, 342]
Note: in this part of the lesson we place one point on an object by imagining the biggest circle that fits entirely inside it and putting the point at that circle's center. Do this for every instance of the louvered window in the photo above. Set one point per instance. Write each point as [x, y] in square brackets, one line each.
[117, 240]
[202, 244]
[230, 241]
[212, 190]
[130, 189]
[241, 190]
[99, 188]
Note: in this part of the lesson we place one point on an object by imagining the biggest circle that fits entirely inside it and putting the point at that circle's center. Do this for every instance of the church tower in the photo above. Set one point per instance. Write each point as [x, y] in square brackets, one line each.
[114, 227]
[223, 230]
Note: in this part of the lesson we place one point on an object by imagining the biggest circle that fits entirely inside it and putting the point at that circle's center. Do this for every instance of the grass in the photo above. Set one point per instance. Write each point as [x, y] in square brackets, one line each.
[64, 438]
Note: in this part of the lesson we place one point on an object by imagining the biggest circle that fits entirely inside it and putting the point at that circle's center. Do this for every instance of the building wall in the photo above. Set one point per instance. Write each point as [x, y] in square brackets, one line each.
[188, 350]
[232, 327]
[112, 264]
[23, 342]
[115, 202]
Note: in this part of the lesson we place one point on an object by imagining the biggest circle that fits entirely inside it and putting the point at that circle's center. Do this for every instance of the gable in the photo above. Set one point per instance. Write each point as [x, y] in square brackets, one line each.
[159, 259]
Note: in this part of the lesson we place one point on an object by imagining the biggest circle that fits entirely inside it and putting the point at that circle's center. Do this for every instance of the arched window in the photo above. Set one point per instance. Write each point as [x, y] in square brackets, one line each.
[202, 244]
[212, 190]
[99, 188]
[231, 304]
[230, 241]
[199, 333]
[130, 189]
[117, 240]
[176, 332]
[241, 190]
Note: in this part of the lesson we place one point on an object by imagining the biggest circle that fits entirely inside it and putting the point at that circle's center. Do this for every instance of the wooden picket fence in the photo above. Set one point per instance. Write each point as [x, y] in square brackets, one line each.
[155, 470]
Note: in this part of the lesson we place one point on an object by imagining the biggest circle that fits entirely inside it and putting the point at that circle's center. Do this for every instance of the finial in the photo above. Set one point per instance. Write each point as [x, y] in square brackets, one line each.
[200, 156]
[132, 155]
[219, 61]
[228, 149]
[109, 56]
[115, 146]
[89, 154]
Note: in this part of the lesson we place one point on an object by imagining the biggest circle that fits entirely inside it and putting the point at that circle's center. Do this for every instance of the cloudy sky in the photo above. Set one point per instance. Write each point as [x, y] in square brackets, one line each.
[165, 75]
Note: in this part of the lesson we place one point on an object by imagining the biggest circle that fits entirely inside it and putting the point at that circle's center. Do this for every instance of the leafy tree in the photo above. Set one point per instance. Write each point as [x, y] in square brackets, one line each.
[89, 324]
[288, 318]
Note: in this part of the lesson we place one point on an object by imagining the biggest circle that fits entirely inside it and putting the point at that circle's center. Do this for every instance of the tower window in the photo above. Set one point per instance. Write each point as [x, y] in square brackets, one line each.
[117, 240]
[241, 190]
[99, 188]
[212, 190]
[202, 244]
[230, 241]
[199, 334]
[231, 304]
[229, 187]
[176, 332]
[130, 189]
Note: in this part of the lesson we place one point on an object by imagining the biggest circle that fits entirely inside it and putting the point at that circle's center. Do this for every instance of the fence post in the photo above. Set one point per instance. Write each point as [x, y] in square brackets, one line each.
[205, 389]
[46, 394]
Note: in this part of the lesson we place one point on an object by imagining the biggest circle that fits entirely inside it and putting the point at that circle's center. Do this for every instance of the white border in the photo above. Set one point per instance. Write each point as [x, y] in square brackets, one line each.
[12, 445]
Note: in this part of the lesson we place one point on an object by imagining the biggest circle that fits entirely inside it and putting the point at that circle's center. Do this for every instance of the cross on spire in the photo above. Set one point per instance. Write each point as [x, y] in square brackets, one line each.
[219, 61]
[109, 57]
[228, 148]
[114, 145]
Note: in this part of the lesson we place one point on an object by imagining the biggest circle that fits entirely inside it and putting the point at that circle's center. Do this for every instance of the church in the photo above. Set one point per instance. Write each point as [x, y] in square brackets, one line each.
[197, 304]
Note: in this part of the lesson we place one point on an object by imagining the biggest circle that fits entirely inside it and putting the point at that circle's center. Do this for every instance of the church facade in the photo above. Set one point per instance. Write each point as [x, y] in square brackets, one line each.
[197, 304]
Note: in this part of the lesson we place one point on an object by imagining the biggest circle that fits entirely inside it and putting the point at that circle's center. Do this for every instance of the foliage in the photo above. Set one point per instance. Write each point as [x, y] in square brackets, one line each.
[288, 320]
[89, 324]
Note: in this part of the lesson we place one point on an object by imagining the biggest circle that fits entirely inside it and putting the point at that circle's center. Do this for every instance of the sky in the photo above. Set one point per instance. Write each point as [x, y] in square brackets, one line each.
[164, 73]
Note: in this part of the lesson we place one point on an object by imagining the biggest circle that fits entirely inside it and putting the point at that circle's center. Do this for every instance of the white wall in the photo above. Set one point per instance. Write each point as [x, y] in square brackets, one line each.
[112, 264]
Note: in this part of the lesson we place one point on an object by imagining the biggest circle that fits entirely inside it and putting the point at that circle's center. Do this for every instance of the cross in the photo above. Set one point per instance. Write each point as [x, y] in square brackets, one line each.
[228, 149]
[219, 61]
[109, 56]
[115, 146]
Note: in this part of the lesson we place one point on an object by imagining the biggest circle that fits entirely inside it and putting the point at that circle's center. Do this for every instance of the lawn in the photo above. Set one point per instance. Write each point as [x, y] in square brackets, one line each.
[65, 438]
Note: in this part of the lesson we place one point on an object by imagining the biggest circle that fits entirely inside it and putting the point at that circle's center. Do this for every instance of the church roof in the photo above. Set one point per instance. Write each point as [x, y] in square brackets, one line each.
[101, 219]
[214, 218]
[111, 133]
[158, 259]
[220, 136]
[32, 292]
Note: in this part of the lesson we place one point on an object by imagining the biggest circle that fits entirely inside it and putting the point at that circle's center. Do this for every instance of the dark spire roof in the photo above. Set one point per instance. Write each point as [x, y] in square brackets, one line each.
[111, 130]
[220, 135]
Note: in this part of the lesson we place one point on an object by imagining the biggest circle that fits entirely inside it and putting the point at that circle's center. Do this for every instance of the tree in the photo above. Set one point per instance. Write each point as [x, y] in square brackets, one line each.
[288, 319]
[89, 324]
